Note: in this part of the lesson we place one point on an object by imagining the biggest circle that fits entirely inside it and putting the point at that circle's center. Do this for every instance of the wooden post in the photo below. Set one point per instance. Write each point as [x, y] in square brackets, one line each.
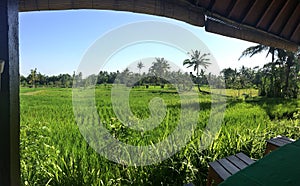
[9, 94]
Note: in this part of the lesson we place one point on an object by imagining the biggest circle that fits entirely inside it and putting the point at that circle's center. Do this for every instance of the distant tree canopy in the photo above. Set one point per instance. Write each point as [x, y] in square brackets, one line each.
[280, 78]
[35, 79]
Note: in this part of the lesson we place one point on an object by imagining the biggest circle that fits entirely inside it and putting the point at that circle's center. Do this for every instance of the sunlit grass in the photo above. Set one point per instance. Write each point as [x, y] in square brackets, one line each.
[53, 152]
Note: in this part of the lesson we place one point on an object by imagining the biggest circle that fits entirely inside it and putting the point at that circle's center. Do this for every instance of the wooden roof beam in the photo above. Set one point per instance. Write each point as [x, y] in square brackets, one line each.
[190, 11]
[247, 33]
[181, 9]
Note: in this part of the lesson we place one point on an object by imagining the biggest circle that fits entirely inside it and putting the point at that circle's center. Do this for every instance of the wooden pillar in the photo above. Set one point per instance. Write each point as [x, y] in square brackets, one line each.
[9, 94]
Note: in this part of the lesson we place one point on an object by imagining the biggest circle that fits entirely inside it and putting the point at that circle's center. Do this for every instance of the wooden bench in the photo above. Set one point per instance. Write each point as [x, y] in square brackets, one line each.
[220, 170]
[276, 142]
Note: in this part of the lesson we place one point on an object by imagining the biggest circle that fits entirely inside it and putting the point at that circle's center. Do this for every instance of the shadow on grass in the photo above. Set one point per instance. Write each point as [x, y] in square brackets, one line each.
[276, 108]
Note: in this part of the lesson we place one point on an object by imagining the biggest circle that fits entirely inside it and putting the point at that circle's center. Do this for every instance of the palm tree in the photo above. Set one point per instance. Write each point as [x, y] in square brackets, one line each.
[290, 59]
[251, 51]
[140, 65]
[159, 66]
[283, 57]
[197, 61]
[33, 77]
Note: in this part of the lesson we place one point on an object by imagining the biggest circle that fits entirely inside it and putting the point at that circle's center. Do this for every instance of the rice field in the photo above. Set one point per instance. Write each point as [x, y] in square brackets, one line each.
[54, 152]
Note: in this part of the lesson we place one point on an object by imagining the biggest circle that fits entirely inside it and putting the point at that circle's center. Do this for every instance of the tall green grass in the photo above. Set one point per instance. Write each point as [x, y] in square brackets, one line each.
[53, 152]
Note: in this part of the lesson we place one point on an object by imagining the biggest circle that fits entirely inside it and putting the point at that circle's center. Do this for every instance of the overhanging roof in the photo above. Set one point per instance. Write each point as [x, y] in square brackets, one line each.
[270, 22]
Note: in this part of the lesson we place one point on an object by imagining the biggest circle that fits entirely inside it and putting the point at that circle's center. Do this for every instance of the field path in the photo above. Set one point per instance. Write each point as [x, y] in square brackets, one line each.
[33, 92]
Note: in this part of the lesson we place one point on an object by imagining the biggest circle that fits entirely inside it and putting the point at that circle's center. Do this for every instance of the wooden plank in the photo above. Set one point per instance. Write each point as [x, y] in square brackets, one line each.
[237, 162]
[219, 169]
[292, 23]
[211, 4]
[278, 141]
[287, 139]
[204, 3]
[256, 12]
[270, 14]
[296, 35]
[231, 168]
[223, 8]
[282, 16]
[9, 94]
[240, 9]
[283, 141]
[245, 158]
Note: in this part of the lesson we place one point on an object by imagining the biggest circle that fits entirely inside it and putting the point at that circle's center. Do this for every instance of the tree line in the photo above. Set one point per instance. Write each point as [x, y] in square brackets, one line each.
[278, 78]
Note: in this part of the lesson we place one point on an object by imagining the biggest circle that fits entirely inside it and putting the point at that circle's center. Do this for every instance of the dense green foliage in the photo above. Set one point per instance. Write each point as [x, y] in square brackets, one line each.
[53, 152]
[280, 77]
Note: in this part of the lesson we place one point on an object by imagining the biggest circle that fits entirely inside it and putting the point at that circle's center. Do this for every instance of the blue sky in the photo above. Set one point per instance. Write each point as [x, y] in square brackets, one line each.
[55, 42]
